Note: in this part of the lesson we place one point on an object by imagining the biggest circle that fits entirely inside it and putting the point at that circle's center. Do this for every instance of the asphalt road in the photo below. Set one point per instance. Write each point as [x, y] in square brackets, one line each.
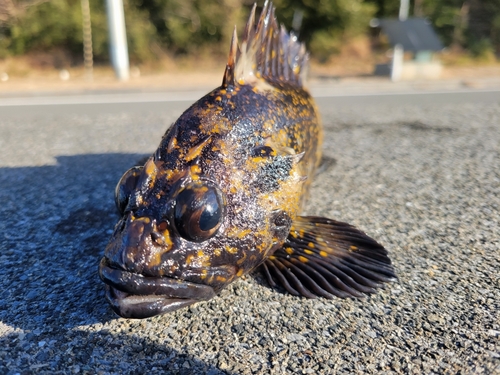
[419, 172]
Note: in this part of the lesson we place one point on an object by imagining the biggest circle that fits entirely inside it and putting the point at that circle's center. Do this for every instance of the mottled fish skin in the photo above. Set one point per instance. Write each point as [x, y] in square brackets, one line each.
[220, 194]
[239, 140]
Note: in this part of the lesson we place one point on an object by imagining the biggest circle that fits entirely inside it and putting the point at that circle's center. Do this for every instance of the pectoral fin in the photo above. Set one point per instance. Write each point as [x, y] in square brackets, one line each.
[327, 258]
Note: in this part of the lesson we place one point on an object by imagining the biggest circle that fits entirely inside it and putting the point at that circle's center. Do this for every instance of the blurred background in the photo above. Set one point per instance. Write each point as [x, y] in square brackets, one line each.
[45, 39]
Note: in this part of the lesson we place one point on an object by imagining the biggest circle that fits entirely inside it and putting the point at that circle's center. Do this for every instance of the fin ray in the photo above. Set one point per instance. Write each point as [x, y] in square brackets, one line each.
[229, 78]
[310, 282]
[344, 279]
[281, 278]
[325, 278]
[323, 257]
[268, 52]
[293, 279]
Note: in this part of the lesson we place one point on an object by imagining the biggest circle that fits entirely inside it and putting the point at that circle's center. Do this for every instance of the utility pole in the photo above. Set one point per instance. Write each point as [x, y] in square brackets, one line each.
[87, 41]
[398, 52]
[404, 8]
[118, 39]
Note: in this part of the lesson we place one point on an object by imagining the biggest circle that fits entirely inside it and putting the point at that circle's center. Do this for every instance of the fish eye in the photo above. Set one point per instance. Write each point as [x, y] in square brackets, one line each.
[198, 212]
[125, 187]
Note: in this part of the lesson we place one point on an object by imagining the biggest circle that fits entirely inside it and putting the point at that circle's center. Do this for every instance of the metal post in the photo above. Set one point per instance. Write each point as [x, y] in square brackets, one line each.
[398, 52]
[87, 40]
[404, 9]
[118, 39]
[397, 63]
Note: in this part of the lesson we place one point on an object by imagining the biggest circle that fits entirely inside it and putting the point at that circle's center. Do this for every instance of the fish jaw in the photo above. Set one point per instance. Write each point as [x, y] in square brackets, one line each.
[148, 272]
[136, 283]
[132, 295]
[141, 307]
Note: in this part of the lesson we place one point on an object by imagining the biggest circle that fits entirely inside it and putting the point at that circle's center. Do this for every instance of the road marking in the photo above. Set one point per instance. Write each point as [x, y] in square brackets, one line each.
[179, 96]
[325, 93]
[186, 96]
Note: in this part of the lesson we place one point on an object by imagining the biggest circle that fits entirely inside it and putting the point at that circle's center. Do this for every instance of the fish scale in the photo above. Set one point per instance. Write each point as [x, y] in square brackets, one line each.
[223, 192]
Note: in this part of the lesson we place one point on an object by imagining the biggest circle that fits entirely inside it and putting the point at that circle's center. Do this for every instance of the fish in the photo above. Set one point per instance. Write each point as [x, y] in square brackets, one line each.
[222, 194]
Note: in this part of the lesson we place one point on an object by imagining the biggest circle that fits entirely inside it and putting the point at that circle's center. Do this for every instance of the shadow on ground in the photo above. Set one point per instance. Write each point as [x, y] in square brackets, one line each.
[57, 222]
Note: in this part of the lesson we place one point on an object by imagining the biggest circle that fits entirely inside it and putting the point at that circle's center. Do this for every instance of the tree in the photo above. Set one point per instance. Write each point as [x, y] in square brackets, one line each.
[10, 9]
[57, 24]
[188, 26]
[470, 24]
[327, 25]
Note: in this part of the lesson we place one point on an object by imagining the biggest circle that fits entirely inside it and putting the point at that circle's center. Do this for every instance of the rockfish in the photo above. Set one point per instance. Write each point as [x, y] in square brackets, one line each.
[223, 192]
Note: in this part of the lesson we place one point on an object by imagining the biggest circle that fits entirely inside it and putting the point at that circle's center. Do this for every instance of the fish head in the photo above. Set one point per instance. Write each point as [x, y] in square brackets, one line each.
[216, 198]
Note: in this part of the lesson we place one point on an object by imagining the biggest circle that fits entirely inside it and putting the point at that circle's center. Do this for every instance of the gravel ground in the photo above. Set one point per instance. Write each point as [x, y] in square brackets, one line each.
[423, 179]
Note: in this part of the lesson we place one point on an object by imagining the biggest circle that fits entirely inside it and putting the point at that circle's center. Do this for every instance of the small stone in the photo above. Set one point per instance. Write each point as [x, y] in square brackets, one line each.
[223, 366]
[433, 318]
[371, 334]
[493, 354]
[32, 294]
[295, 337]
[64, 75]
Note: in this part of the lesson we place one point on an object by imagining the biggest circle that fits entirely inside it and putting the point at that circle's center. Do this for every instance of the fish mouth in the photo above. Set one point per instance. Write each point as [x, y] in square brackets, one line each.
[136, 296]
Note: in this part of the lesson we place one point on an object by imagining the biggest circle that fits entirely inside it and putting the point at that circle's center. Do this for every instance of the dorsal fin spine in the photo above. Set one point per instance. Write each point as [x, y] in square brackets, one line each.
[249, 28]
[268, 53]
[229, 77]
[284, 37]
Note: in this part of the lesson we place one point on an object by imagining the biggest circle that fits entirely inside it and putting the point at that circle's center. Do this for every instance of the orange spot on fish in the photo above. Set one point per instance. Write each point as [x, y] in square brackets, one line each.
[195, 171]
[203, 275]
[230, 249]
[172, 145]
[189, 259]
[242, 259]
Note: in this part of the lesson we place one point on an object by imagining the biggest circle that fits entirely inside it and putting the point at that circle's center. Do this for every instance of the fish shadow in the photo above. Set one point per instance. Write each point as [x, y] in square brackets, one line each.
[56, 222]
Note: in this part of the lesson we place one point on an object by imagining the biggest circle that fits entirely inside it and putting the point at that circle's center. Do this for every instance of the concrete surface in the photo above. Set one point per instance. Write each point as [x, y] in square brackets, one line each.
[420, 173]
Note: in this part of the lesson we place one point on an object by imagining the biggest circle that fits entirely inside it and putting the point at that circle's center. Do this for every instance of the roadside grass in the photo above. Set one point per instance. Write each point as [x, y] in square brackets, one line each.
[44, 71]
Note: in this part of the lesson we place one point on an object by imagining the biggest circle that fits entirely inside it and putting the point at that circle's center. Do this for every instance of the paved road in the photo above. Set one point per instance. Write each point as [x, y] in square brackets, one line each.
[419, 172]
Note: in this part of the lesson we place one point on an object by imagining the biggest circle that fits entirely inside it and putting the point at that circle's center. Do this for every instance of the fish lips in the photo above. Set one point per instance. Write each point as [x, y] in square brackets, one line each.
[132, 295]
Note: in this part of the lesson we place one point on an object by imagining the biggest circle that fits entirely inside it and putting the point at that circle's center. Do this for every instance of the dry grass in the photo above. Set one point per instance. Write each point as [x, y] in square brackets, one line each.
[41, 72]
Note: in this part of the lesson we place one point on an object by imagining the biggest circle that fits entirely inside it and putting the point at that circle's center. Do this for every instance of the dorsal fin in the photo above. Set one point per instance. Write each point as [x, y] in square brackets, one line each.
[268, 52]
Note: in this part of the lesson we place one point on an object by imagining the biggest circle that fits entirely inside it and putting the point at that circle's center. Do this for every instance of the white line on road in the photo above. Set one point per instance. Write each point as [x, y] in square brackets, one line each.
[182, 96]
[179, 96]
